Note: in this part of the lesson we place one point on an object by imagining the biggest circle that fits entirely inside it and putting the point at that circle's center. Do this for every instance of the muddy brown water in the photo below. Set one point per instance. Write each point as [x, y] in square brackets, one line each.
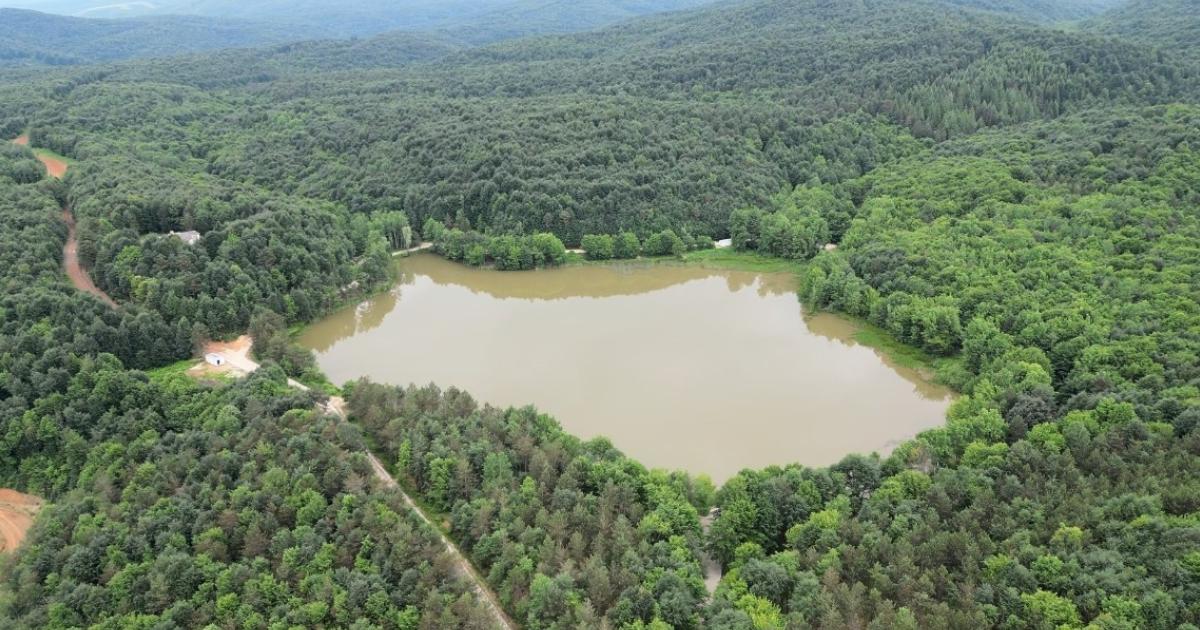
[681, 367]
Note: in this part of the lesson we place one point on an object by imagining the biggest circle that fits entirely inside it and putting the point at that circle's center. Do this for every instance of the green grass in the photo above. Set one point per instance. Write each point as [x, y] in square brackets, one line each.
[729, 258]
[167, 372]
[320, 383]
[711, 258]
[899, 352]
[932, 368]
[51, 154]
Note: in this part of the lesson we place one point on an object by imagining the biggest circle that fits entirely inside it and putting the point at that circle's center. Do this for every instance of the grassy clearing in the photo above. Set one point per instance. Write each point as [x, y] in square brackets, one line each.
[899, 352]
[728, 258]
[320, 383]
[52, 155]
[168, 372]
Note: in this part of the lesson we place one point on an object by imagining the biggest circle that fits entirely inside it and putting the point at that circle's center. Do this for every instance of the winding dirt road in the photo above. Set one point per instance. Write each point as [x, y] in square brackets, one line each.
[75, 271]
[79, 277]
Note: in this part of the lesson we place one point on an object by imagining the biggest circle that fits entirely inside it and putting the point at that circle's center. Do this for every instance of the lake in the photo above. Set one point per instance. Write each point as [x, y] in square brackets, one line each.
[704, 370]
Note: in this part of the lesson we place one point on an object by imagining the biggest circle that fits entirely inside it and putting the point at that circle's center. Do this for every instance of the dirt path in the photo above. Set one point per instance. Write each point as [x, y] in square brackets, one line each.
[75, 271]
[465, 567]
[16, 517]
[419, 248]
[79, 277]
[712, 568]
[237, 357]
[55, 167]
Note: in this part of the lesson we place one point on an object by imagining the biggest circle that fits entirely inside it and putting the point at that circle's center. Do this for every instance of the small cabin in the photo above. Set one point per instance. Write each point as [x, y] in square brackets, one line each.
[189, 237]
[214, 359]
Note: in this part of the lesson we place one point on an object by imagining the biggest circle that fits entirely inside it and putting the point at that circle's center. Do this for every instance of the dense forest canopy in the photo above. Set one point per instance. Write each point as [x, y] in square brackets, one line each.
[29, 37]
[1016, 198]
[1168, 25]
[1051, 11]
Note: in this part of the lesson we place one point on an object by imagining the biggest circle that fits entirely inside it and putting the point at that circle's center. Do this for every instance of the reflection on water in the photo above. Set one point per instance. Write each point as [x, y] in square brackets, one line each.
[682, 367]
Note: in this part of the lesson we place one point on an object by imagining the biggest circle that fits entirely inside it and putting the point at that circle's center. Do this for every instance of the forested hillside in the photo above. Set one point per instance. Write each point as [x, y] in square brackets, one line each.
[1063, 269]
[29, 37]
[636, 127]
[1050, 11]
[172, 503]
[1168, 25]
[475, 21]
[1016, 199]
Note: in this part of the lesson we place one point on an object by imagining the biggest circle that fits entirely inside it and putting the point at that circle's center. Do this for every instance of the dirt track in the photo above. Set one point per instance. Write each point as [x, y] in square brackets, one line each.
[465, 568]
[55, 167]
[237, 357]
[79, 278]
[16, 516]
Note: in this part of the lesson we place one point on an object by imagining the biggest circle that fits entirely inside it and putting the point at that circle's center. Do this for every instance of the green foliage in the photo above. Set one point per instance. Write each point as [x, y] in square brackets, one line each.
[505, 253]
[1020, 197]
[619, 541]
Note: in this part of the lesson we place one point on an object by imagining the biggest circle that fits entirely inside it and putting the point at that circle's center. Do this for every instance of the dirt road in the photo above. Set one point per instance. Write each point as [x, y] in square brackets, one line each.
[55, 167]
[237, 357]
[465, 568]
[412, 250]
[712, 568]
[75, 271]
[79, 277]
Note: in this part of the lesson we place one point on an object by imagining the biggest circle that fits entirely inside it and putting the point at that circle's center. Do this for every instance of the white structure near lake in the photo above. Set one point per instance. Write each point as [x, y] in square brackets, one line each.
[214, 359]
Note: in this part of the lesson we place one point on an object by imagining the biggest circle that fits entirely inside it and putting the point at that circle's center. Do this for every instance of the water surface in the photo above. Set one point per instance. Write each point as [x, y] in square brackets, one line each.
[681, 367]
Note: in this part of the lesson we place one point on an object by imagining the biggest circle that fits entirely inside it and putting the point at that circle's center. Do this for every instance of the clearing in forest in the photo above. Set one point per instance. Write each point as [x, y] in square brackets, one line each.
[16, 517]
[56, 167]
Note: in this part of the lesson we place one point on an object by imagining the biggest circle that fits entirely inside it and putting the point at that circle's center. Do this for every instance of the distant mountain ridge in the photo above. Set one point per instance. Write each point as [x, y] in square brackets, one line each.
[478, 20]
[1048, 11]
[30, 37]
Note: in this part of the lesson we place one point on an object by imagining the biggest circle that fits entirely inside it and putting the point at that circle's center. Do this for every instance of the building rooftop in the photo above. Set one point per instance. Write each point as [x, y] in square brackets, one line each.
[189, 237]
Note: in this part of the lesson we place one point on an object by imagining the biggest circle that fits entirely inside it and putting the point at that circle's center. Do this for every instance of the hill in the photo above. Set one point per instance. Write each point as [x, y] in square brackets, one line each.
[1172, 26]
[1014, 200]
[478, 20]
[30, 37]
[568, 133]
[1046, 11]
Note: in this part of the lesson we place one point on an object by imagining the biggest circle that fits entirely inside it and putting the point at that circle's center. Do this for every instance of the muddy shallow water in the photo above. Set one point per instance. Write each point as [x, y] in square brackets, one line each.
[681, 367]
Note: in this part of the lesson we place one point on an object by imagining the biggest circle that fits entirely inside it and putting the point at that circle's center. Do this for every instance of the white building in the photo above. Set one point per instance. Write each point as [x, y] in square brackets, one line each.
[189, 237]
[212, 358]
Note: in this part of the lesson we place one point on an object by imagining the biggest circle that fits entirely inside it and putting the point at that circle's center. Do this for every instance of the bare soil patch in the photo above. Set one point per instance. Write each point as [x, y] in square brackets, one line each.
[55, 167]
[237, 359]
[22, 140]
[16, 517]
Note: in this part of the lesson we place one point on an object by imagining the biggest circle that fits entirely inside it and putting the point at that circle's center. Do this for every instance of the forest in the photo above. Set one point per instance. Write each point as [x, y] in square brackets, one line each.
[1014, 197]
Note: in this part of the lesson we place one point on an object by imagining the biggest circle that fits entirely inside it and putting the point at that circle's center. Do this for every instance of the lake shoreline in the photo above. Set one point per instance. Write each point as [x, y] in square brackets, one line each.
[725, 259]
[637, 352]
